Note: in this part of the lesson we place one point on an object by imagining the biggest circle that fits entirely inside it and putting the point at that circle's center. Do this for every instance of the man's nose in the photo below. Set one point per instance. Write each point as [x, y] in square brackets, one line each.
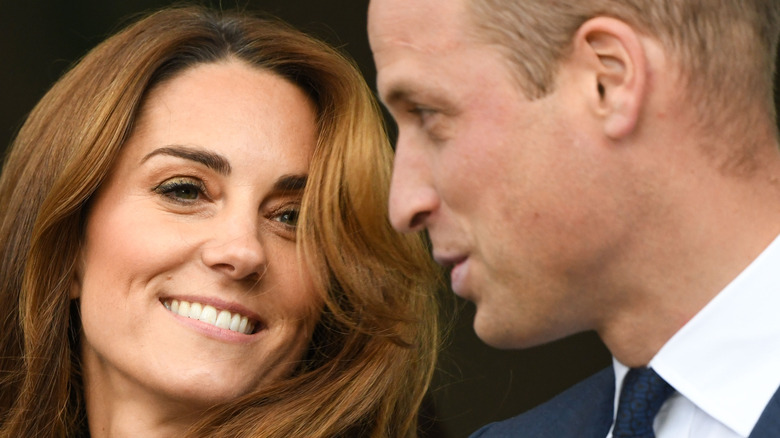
[413, 197]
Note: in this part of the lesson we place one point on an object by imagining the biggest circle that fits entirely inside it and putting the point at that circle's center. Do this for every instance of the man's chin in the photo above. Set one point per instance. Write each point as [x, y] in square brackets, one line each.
[508, 335]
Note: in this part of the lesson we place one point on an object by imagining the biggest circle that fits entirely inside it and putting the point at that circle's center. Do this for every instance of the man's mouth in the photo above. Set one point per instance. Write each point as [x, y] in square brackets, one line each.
[448, 262]
[220, 318]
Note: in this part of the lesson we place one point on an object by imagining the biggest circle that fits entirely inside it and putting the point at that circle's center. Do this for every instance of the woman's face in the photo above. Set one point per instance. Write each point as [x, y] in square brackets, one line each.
[189, 285]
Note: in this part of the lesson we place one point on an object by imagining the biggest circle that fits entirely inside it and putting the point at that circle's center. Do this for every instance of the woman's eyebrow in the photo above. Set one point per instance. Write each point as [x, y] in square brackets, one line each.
[211, 160]
[290, 183]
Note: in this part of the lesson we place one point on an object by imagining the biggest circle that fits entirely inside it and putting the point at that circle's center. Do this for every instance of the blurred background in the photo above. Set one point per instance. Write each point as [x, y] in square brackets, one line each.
[475, 384]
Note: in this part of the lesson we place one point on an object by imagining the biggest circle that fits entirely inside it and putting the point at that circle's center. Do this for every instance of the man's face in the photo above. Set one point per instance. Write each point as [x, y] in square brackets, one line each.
[511, 191]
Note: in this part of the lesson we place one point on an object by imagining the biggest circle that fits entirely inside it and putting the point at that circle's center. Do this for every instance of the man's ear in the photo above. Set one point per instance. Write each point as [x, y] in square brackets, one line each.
[613, 58]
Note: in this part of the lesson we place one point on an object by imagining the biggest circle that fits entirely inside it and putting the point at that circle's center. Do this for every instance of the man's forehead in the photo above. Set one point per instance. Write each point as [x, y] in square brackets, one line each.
[420, 25]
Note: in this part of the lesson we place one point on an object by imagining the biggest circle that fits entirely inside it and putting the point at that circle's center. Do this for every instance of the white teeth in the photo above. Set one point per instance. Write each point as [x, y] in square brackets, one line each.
[235, 321]
[209, 314]
[195, 310]
[223, 319]
[184, 308]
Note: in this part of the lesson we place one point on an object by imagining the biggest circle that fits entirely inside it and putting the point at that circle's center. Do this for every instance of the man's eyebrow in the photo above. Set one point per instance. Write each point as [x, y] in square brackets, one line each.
[211, 160]
[290, 183]
[397, 93]
[407, 92]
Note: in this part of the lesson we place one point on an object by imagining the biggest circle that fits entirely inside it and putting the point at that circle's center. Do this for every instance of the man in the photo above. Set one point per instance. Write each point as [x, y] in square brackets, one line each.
[601, 165]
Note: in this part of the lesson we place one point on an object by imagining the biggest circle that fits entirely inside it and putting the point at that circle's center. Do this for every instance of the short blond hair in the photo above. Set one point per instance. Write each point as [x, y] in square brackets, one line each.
[725, 49]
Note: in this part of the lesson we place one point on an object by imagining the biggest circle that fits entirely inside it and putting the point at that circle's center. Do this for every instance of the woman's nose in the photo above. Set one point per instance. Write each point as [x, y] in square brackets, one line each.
[236, 249]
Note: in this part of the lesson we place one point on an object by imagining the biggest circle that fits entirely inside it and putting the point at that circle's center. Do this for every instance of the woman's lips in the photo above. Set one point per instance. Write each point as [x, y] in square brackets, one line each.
[212, 315]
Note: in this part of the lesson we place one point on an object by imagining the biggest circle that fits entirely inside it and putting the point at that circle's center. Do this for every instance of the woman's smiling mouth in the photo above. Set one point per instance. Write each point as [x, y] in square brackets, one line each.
[219, 318]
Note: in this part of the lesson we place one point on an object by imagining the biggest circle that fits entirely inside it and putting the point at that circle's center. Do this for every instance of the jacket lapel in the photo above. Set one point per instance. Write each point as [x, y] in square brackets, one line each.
[768, 425]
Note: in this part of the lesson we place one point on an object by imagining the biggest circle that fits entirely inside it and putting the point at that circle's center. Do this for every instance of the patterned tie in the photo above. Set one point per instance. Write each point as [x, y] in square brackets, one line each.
[642, 395]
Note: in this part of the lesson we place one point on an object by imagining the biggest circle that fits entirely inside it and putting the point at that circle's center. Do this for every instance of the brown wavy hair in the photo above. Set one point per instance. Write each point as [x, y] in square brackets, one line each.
[373, 352]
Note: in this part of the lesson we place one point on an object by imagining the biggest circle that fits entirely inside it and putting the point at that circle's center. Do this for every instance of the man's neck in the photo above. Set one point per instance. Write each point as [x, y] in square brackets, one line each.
[704, 228]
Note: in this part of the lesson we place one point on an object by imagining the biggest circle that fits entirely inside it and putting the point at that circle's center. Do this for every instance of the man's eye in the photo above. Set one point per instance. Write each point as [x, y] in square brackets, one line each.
[433, 122]
[181, 189]
[422, 113]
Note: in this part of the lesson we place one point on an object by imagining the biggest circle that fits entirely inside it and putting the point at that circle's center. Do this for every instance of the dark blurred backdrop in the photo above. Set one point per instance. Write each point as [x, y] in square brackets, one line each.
[475, 384]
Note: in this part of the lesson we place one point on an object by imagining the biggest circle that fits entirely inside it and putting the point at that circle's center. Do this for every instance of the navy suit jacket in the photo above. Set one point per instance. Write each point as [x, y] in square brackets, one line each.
[585, 411]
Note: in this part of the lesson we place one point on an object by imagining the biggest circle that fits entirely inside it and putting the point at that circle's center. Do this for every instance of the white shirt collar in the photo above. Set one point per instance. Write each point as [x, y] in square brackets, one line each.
[726, 360]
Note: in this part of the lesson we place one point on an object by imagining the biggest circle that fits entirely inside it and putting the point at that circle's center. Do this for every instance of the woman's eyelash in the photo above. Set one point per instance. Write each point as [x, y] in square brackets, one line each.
[182, 189]
[288, 216]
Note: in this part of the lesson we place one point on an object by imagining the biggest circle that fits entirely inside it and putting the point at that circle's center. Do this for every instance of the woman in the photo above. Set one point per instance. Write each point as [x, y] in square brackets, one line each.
[195, 242]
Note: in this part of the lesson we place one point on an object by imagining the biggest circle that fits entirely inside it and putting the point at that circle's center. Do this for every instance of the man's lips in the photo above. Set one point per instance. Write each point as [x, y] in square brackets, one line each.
[448, 261]
[458, 266]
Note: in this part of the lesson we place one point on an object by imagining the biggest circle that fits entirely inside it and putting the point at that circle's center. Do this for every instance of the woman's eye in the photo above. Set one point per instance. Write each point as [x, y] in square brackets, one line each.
[288, 217]
[181, 189]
